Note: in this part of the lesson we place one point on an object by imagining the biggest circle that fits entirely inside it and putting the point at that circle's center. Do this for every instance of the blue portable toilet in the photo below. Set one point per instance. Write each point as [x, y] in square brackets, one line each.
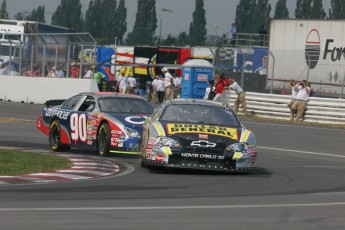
[195, 74]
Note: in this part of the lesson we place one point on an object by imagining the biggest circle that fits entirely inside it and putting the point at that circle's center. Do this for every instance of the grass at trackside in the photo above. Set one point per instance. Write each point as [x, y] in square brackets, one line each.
[14, 162]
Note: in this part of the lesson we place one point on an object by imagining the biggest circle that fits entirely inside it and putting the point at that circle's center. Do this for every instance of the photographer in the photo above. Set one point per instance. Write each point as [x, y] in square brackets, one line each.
[301, 99]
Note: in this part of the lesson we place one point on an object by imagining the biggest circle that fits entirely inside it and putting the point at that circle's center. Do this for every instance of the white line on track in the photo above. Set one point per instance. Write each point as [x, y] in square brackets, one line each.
[296, 205]
[292, 126]
[305, 152]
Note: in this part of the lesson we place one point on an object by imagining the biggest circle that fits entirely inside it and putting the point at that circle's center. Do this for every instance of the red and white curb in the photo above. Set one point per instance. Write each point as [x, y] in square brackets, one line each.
[84, 168]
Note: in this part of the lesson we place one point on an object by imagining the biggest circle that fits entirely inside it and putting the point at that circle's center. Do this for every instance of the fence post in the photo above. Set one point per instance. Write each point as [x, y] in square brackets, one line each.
[274, 61]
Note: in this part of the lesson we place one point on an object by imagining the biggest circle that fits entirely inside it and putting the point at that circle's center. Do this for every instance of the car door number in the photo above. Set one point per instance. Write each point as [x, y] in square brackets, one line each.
[78, 127]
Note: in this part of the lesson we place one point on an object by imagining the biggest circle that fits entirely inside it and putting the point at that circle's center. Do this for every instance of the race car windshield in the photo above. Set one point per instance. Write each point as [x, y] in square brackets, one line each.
[125, 105]
[200, 114]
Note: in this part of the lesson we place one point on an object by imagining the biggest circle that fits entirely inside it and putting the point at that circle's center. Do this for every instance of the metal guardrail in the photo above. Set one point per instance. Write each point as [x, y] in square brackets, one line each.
[319, 110]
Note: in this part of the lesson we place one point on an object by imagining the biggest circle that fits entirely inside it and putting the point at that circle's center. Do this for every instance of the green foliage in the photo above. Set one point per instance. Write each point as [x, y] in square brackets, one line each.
[68, 14]
[3, 10]
[37, 15]
[145, 24]
[337, 10]
[245, 11]
[309, 9]
[197, 28]
[14, 162]
[262, 15]
[121, 17]
[281, 11]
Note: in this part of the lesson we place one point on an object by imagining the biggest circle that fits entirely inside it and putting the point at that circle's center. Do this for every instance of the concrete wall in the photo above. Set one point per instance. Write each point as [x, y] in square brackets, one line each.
[38, 90]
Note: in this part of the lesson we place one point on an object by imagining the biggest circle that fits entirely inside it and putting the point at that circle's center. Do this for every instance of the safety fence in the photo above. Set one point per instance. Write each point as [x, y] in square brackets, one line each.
[319, 110]
[46, 54]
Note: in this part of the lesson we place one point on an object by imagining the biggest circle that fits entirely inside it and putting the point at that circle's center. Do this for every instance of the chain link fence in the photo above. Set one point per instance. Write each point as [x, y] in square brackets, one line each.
[64, 55]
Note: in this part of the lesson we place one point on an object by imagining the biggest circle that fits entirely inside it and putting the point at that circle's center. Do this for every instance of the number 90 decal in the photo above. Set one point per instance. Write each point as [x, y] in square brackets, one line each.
[78, 127]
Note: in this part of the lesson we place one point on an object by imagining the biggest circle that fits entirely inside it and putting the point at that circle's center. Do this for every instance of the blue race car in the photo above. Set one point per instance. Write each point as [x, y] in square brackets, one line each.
[107, 122]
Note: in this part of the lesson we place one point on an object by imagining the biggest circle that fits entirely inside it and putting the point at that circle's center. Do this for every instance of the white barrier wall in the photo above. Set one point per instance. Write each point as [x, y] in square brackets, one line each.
[39, 90]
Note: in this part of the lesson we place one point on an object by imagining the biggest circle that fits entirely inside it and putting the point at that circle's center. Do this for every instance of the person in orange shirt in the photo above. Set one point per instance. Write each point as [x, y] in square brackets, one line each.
[74, 71]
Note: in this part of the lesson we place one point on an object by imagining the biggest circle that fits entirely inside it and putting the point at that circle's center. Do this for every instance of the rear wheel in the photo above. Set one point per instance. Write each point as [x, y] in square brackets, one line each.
[104, 139]
[55, 138]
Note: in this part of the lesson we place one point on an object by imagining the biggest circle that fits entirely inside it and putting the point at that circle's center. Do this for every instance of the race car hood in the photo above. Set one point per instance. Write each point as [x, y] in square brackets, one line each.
[130, 120]
[202, 135]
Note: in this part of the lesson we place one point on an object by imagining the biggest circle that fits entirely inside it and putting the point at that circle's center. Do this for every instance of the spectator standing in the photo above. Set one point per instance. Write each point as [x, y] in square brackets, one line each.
[300, 104]
[160, 89]
[168, 84]
[59, 72]
[132, 84]
[220, 84]
[262, 33]
[88, 73]
[154, 84]
[74, 71]
[99, 77]
[241, 97]
[233, 31]
[293, 98]
[51, 71]
[177, 85]
[209, 92]
[122, 83]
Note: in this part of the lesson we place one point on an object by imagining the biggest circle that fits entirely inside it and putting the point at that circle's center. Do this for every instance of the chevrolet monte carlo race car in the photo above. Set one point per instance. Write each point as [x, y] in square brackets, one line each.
[197, 134]
[107, 122]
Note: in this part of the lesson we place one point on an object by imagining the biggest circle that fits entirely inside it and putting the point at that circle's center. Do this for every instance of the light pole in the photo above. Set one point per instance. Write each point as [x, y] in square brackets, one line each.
[161, 21]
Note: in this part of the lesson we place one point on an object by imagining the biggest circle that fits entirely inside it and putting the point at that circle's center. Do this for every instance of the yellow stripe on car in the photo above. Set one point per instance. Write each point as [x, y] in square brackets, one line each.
[167, 150]
[237, 156]
[159, 128]
[245, 135]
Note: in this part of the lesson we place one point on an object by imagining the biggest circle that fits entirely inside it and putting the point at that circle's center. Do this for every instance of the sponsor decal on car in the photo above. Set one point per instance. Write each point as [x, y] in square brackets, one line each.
[203, 156]
[202, 129]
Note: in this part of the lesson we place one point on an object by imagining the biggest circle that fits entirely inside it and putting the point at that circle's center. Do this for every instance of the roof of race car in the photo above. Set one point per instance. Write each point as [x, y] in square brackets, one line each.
[194, 102]
[111, 94]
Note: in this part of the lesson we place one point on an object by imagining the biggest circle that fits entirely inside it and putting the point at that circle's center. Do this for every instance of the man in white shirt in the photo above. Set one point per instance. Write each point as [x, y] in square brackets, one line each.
[241, 97]
[122, 83]
[177, 84]
[89, 73]
[160, 88]
[168, 81]
[301, 100]
[154, 95]
[132, 83]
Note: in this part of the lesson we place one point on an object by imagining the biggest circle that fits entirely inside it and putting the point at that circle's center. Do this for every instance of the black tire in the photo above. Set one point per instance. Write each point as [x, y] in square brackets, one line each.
[142, 161]
[103, 139]
[55, 138]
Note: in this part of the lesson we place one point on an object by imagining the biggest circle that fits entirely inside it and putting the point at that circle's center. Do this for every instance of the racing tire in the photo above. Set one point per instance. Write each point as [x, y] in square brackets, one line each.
[55, 138]
[142, 162]
[103, 139]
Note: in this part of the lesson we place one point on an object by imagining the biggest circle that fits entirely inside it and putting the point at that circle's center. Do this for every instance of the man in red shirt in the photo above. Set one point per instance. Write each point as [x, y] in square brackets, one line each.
[220, 84]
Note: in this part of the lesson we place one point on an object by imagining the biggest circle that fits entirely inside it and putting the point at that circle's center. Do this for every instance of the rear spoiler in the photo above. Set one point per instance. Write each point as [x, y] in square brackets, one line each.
[51, 103]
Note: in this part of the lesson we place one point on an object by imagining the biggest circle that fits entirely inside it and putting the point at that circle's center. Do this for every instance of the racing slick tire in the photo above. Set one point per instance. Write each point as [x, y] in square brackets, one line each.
[103, 139]
[55, 138]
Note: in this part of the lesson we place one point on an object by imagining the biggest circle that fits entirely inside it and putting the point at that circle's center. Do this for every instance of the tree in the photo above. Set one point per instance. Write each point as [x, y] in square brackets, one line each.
[281, 11]
[145, 24]
[197, 28]
[309, 9]
[109, 20]
[37, 15]
[337, 10]
[245, 11]
[262, 15]
[68, 14]
[182, 39]
[21, 15]
[317, 11]
[121, 15]
[3, 10]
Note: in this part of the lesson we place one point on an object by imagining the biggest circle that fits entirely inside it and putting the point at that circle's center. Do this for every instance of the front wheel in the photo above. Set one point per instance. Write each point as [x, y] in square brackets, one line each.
[55, 138]
[104, 139]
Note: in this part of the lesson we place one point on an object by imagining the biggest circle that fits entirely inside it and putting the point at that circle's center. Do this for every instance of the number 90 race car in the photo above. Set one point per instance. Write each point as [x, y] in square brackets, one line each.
[197, 134]
[107, 122]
